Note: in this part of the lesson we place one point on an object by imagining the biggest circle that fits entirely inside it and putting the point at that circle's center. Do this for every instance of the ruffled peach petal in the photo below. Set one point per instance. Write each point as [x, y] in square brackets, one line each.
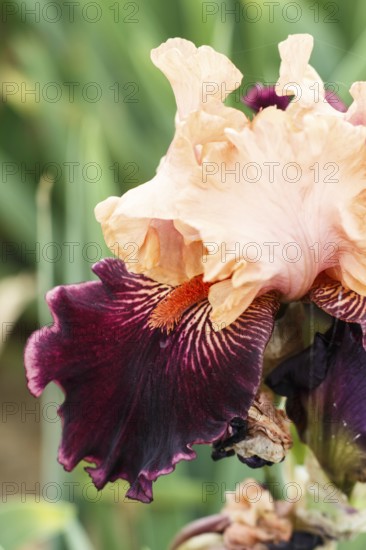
[178, 261]
[279, 231]
[356, 113]
[203, 128]
[296, 75]
[228, 303]
[139, 228]
[353, 274]
[300, 79]
[151, 246]
[197, 75]
[116, 228]
[134, 222]
[253, 205]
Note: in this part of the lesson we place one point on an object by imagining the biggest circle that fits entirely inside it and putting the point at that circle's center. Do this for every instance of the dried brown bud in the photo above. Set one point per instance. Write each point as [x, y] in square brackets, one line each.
[267, 436]
[256, 518]
[250, 520]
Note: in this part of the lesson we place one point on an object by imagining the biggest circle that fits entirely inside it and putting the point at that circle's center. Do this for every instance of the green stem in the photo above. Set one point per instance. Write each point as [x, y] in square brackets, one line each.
[274, 480]
[51, 471]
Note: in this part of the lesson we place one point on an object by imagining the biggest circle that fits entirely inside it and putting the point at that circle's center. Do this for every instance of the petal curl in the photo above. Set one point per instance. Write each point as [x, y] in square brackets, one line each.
[197, 75]
[357, 112]
[146, 219]
[137, 399]
[298, 78]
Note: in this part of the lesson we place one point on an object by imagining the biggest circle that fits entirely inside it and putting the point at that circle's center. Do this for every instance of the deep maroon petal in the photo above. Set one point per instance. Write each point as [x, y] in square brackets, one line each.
[331, 418]
[137, 398]
[341, 303]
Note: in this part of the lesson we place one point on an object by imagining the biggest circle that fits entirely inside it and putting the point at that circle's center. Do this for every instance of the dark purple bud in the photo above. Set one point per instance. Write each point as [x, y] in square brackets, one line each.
[330, 414]
[260, 96]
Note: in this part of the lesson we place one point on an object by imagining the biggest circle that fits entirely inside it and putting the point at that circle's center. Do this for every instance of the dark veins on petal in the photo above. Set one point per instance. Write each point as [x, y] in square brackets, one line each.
[330, 410]
[341, 303]
[138, 398]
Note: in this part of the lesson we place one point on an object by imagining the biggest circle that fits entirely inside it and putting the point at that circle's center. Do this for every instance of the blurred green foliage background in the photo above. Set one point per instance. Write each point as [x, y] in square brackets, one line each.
[84, 115]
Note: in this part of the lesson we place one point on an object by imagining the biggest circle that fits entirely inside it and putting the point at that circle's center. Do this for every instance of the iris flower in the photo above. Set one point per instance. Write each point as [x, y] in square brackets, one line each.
[166, 350]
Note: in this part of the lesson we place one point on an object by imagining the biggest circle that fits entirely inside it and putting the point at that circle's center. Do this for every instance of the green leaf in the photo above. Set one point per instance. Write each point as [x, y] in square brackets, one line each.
[76, 536]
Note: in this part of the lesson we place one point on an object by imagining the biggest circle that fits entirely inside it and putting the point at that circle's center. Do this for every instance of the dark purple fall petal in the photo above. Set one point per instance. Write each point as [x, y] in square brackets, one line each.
[341, 303]
[330, 418]
[137, 399]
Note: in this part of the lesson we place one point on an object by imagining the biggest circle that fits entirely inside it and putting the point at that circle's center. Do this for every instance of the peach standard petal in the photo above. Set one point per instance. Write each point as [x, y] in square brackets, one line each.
[356, 114]
[273, 212]
[300, 79]
[197, 75]
[138, 227]
[253, 205]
